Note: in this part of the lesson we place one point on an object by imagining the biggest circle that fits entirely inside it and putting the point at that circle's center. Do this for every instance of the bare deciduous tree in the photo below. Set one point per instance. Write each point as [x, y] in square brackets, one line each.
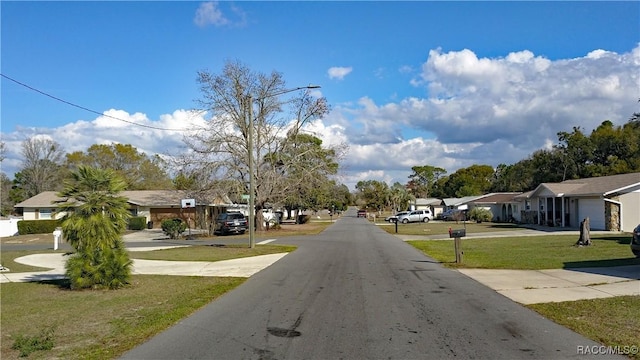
[220, 153]
[42, 158]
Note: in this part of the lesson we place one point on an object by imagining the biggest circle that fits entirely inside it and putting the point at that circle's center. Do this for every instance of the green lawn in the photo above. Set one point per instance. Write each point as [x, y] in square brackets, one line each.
[102, 324]
[94, 324]
[442, 227]
[532, 252]
[612, 321]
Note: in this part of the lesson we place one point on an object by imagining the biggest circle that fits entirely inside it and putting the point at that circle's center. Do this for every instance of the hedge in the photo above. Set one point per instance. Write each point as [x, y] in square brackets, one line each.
[137, 223]
[37, 226]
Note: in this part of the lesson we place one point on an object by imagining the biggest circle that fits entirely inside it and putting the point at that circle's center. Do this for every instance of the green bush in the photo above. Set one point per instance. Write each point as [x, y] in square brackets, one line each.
[481, 214]
[173, 227]
[28, 344]
[137, 223]
[100, 268]
[26, 227]
[303, 219]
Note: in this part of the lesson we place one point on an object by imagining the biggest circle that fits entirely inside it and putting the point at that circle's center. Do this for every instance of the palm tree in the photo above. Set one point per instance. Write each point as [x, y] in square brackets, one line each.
[400, 197]
[95, 218]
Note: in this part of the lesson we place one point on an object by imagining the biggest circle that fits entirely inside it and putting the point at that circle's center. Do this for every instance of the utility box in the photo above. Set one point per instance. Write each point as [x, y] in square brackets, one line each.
[457, 233]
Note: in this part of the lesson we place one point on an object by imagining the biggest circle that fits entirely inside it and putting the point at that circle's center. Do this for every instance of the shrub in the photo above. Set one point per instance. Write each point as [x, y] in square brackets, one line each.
[173, 227]
[28, 344]
[100, 268]
[274, 225]
[303, 219]
[481, 214]
[137, 223]
[37, 226]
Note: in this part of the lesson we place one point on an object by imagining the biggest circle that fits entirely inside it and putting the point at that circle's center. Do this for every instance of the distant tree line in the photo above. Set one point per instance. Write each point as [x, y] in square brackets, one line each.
[607, 150]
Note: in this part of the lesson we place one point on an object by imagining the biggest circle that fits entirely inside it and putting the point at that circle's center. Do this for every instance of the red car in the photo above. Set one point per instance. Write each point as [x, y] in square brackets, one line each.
[362, 213]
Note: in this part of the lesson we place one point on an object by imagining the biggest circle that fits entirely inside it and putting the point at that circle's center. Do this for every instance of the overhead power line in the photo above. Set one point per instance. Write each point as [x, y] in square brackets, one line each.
[85, 108]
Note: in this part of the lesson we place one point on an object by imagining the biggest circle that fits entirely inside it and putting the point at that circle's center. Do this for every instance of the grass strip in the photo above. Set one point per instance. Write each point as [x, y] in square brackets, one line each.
[442, 227]
[210, 253]
[612, 321]
[532, 252]
[96, 324]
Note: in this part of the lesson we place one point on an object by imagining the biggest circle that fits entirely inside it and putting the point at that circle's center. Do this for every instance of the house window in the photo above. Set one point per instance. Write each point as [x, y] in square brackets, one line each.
[45, 214]
[527, 204]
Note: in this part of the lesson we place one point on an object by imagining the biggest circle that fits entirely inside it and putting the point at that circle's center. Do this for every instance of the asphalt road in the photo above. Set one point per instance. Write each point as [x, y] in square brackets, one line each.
[356, 292]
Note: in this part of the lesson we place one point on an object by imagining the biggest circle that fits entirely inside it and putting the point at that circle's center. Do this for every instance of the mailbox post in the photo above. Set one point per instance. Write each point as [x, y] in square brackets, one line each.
[57, 234]
[457, 242]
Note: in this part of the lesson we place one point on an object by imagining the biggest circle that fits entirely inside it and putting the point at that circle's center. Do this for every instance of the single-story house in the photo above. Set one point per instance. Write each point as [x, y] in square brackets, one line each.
[504, 206]
[433, 204]
[154, 205]
[610, 202]
[459, 203]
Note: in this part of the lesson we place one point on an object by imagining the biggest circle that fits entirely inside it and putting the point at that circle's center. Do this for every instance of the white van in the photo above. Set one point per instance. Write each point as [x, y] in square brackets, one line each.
[416, 216]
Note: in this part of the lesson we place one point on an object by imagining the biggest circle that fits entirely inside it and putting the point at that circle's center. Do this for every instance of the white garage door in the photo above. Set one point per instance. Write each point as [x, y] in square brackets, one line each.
[594, 210]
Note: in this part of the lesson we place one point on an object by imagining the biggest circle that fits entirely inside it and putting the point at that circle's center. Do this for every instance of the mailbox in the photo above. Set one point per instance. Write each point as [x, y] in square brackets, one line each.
[457, 233]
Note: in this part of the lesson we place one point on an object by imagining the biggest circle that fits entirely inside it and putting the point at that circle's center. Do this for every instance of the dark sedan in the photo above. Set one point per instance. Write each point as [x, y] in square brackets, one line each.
[635, 241]
[227, 223]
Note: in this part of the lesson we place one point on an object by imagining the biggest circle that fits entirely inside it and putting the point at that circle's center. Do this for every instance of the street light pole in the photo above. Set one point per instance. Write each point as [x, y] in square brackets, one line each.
[252, 185]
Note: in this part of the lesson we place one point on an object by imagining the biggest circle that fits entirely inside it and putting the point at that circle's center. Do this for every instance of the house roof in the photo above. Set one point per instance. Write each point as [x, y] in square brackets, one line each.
[524, 195]
[44, 199]
[428, 201]
[460, 201]
[155, 197]
[497, 198]
[151, 198]
[602, 186]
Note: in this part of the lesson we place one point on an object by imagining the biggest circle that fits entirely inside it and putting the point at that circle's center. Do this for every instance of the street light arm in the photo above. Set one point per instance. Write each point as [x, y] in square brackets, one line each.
[288, 91]
[252, 185]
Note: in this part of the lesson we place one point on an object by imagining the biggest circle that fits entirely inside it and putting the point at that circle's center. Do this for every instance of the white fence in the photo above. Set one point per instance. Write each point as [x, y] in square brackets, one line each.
[9, 227]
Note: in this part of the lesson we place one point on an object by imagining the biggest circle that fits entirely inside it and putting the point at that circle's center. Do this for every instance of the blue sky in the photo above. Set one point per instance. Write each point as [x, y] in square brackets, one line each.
[448, 84]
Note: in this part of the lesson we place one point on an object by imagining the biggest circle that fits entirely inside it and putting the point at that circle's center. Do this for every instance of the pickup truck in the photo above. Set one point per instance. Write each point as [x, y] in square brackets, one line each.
[362, 213]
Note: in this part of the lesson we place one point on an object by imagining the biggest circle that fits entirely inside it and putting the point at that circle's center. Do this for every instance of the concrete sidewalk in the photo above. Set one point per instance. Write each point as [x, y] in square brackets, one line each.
[242, 267]
[556, 285]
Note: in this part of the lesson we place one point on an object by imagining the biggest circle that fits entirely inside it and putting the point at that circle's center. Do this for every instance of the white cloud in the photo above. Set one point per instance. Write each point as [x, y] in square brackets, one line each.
[339, 73]
[486, 110]
[80, 135]
[477, 111]
[405, 69]
[208, 13]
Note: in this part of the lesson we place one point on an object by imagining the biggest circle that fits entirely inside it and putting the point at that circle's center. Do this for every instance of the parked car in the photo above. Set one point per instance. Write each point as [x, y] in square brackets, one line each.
[362, 213]
[452, 214]
[635, 241]
[230, 222]
[416, 216]
[394, 218]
